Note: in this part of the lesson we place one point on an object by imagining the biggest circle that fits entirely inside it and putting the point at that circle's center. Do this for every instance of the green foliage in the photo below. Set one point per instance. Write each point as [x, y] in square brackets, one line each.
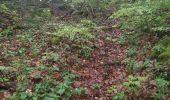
[162, 50]
[21, 51]
[165, 54]
[49, 89]
[3, 8]
[87, 7]
[131, 52]
[119, 96]
[165, 41]
[162, 90]
[147, 63]
[111, 89]
[78, 37]
[130, 38]
[51, 56]
[17, 63]
[137, 66]
[157, 49]
[122, 39]
[43, 12]
[74, 32]
[131, 63]
[144, 16]
[21, 96]
[7, 32]
[7, 74]
[134, 83]
[96, 86]
[86, 52]
[35, 22]
[64, 89]
[88, 23]
[137, 18]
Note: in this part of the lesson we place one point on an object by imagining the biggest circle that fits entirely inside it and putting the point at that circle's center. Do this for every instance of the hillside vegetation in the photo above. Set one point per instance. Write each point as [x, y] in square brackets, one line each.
[84, 49]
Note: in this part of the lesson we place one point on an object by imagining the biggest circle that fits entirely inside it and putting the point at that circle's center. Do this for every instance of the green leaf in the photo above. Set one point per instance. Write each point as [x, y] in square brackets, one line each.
[23, 95]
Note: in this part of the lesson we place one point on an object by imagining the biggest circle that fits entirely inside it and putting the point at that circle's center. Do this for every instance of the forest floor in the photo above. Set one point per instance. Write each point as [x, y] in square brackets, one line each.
[96, 74]
[104, 67]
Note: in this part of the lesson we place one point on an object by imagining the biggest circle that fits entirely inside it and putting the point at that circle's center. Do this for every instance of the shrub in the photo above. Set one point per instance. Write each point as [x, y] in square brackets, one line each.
[162, 50]
[48, 89]
[88, 7]
[3, 8]
[134, 84]
[144, 16]
[96, 86]
[44, 12]
[73, 33]
[162, 87]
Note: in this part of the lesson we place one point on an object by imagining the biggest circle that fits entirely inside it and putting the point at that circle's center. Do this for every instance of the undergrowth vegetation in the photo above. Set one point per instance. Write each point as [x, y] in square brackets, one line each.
[84, 49]
[146, 20]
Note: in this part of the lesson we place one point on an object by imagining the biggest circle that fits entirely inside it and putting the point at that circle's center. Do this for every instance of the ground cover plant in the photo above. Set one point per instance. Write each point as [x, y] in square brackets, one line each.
[84, 49]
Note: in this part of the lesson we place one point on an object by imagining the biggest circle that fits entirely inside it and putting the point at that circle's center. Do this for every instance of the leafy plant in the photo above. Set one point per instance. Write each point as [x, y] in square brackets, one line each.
[131, 52]
[147, 63]
[161, 50]
[132, 64]
[88, 7]
[7, 32]
[3, 7]
[165, 54]
[142, 16]
[162, 90]
[51, 56]
[122, 39]
[96, 86]
[44, 12]
[157, 49]
[88, 23]
[74, 33]
[20, 96]
[49, 89]
[86, 52]
[134, 83]
[21, 51]
[119, 96]
[135, 66]
[111, 89]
